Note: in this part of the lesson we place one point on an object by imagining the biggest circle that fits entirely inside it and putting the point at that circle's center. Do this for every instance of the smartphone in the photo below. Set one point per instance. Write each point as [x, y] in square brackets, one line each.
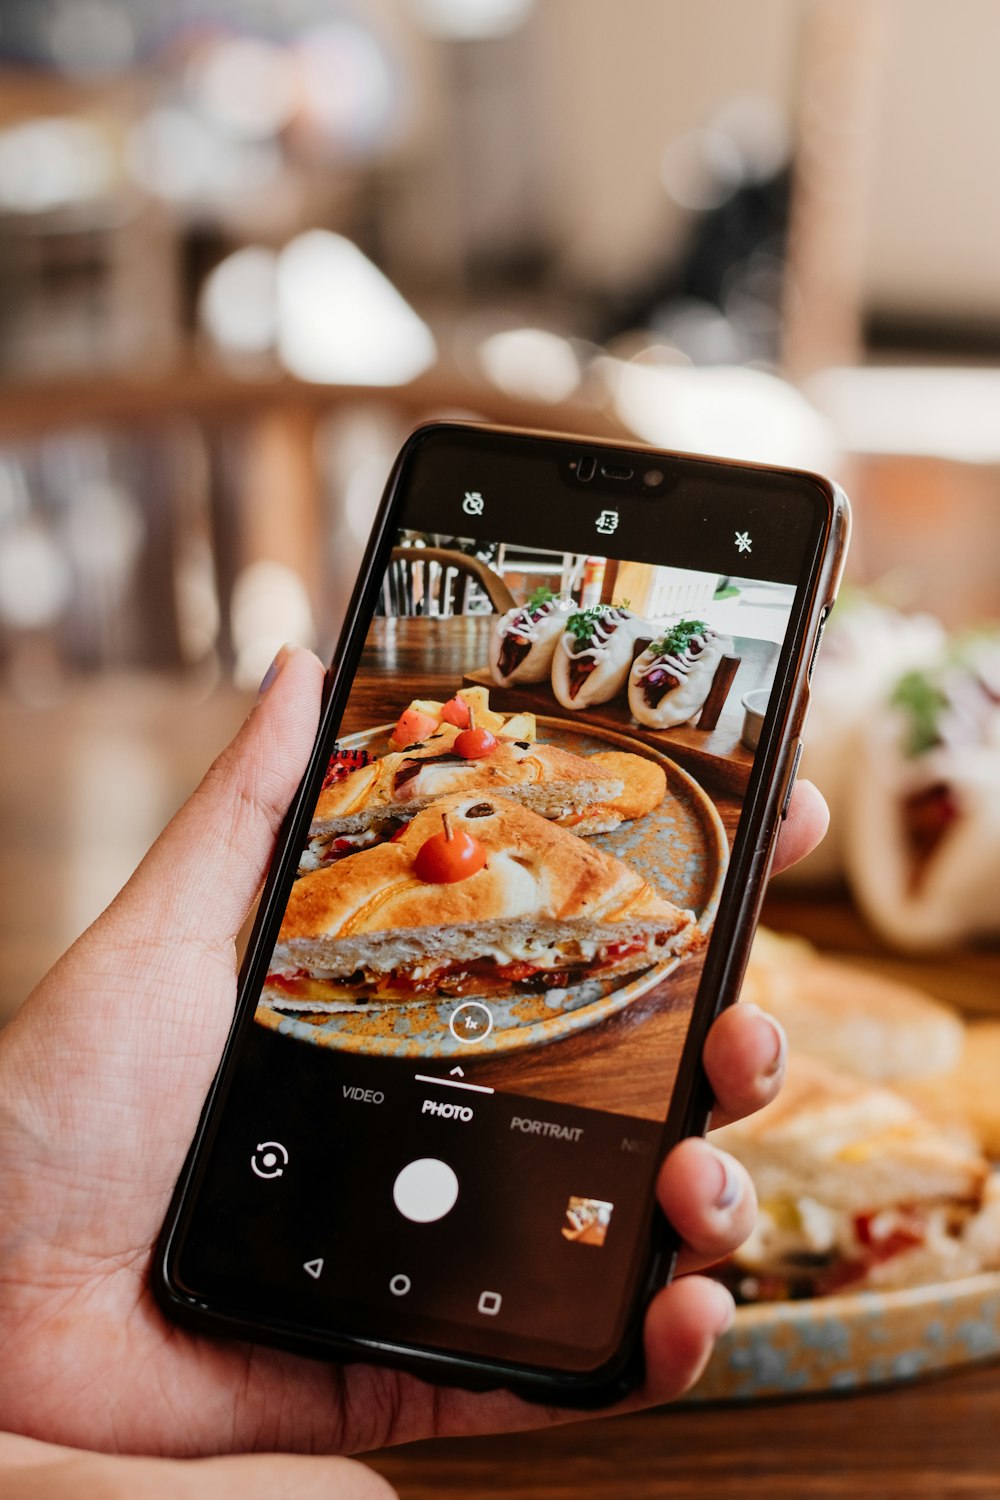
[518, 882]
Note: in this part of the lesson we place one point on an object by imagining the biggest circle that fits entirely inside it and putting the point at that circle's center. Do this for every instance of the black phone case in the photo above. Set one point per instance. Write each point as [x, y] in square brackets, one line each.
[719, 986]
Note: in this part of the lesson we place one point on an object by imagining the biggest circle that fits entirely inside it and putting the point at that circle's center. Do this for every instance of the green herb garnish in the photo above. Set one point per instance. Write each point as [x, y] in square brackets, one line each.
[582, 623]
[678, 638]
[923, 701]
[542, 595]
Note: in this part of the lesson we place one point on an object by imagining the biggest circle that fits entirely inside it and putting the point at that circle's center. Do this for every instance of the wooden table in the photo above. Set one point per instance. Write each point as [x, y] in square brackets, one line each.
[84, 783]
[935, 1441]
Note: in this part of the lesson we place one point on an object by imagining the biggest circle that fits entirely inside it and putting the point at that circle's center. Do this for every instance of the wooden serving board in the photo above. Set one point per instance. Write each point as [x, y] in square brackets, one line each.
[717, 756]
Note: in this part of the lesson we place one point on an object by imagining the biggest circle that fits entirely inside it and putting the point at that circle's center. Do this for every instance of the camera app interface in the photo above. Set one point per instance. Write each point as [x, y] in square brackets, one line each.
[446, 1117]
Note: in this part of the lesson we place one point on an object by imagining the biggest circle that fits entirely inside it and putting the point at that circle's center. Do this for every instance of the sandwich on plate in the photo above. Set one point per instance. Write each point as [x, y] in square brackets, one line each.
[372, 801]
[848, 1017]
[477, 896]
[857, 1189]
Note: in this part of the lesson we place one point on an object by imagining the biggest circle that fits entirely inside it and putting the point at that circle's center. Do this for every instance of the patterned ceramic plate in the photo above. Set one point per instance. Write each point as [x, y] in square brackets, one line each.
[681, 848]
[853, 1340]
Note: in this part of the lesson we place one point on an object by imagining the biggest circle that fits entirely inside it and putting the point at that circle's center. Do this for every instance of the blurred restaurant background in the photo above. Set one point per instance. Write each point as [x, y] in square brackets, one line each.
[247, 245]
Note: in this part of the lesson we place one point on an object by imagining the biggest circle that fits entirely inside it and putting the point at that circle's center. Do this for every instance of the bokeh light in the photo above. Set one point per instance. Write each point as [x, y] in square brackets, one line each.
[248, 86]
[730, 412]
[239, 301]
[471, 20]
[35, 582]
[49, 163]
[91, 37]
[341, 321]
[178, 155]
[531, 363]
[351, 93]
[269, 606]
[701, 168]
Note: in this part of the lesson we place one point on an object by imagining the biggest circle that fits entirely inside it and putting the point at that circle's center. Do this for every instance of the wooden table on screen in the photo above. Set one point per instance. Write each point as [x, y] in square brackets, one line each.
[625, 1063]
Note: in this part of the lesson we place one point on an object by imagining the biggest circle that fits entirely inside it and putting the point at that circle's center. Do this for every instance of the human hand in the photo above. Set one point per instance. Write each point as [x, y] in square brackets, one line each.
[30, 1470]
[102, 1079]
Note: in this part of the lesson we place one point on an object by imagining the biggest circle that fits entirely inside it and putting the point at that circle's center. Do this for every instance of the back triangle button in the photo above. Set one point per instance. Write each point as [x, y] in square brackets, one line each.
[314, 1267]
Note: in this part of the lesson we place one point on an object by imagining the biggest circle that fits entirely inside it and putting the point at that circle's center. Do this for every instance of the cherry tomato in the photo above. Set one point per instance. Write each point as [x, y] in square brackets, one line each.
[473, 744]
[456, 711]
[448, 856]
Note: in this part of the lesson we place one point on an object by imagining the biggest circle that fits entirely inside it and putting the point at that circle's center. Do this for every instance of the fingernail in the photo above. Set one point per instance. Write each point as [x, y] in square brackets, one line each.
[780, 1053]
[727, 1309]
[270, 676]
[730, 1183]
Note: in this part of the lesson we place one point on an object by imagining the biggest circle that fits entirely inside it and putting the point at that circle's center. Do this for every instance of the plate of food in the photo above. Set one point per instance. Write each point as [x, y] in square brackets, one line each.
[553, 880]
[876, 1254]
[854, 1341]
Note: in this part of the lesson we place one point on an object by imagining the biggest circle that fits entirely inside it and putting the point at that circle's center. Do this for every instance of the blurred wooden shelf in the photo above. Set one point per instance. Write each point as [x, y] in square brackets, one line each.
[28, 408]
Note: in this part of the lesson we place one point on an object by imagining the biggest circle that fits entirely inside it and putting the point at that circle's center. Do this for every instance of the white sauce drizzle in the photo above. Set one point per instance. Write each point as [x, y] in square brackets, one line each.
[529, 629]
[679, 665]
[598, 635]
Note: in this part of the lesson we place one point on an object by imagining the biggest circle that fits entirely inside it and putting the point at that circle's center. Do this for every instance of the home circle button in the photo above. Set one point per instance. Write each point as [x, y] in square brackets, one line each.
[425, 1190]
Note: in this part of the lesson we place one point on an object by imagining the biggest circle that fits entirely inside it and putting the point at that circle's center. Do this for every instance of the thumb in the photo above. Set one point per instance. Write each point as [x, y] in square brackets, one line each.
[200, 878]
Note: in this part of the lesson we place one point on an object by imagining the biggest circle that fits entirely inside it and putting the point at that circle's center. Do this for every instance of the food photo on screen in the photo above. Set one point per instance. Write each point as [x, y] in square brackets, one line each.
[525, 872]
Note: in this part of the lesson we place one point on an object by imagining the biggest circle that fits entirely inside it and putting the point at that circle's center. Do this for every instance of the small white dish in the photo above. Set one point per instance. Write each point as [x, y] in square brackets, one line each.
[754, 708]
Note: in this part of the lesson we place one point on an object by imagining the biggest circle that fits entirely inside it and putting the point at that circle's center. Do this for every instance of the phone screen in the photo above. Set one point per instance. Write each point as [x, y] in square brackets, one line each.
[444, 1111]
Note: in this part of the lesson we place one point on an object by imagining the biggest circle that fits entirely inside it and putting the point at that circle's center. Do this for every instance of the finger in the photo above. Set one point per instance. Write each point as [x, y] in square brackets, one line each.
[67, 1474]
[270, 1476]
[709, 1199]
[203, 873]
[804, 827]
[682, 1324]
[745, 1056]
[17, 1451]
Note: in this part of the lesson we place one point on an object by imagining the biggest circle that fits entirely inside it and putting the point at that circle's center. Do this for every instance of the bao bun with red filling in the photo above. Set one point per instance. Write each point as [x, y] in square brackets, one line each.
[592, 659]
[546, 907]
[670, 680]
[922, 831]
[523, 640]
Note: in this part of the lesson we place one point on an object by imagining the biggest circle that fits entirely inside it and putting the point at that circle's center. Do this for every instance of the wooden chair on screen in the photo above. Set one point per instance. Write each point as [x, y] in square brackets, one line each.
[437, 581]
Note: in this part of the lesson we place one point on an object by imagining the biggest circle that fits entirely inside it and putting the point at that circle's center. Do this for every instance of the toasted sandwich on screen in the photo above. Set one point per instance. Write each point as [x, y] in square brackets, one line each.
[477, 895]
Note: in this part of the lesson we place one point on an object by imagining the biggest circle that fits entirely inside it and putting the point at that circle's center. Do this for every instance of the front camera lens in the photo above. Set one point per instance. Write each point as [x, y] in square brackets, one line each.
[652, 478]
